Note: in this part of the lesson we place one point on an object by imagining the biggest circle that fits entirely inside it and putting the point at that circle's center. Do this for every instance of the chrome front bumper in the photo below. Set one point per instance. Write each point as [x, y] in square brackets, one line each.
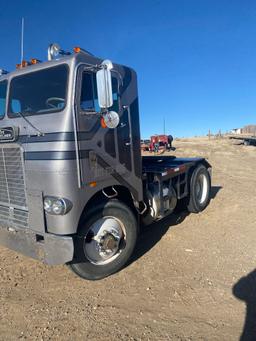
[48, 248]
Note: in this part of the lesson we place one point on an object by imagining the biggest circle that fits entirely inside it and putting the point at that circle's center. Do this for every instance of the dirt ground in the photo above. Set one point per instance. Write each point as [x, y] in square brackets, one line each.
[193, 276]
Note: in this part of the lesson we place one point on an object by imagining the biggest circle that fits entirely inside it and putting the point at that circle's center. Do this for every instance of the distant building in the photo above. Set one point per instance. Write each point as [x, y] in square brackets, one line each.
[236, 131]
[248, 129]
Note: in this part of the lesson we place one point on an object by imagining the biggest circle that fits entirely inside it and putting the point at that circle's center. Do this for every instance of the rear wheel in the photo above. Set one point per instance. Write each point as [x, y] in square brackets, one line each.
[200, 186]
[106, 240]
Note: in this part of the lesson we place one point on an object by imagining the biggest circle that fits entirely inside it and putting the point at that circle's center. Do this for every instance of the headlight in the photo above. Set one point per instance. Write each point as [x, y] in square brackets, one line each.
[57, 206]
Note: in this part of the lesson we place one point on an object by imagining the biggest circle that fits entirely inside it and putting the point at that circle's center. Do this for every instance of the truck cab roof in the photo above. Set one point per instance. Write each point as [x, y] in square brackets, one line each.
[70, 60]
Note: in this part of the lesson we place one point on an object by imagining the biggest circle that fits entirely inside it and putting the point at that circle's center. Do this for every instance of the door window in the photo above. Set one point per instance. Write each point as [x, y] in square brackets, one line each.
[89, 97]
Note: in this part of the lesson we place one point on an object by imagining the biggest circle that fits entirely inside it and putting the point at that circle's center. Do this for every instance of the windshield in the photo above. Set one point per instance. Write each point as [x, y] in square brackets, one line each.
[3, 89]
[39, 92]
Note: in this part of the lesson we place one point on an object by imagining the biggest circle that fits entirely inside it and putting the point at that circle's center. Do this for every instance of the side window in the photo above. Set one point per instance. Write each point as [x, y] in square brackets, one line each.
[89, 97]
[3, 89]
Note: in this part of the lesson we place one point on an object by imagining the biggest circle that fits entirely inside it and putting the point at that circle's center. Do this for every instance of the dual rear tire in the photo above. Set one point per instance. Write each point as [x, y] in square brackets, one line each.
[199, 191]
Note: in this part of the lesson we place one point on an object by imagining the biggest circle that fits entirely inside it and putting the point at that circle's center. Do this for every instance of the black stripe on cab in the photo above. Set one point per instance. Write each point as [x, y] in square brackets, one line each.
[50, 155]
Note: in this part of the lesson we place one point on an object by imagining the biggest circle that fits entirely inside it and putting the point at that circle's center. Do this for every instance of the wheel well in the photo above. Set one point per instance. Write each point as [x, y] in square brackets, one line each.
[203, 162]
[123, 195]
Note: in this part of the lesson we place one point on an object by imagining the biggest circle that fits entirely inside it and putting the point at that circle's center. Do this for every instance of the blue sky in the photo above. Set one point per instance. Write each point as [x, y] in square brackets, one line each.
[195, 59]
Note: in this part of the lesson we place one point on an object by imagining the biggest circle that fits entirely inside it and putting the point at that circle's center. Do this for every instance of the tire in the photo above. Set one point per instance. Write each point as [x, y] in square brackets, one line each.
[247, 143]
[94, 258]
[200, 186]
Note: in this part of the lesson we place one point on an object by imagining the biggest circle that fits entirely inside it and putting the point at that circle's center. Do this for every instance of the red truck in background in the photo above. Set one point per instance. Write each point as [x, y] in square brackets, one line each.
[160, 142]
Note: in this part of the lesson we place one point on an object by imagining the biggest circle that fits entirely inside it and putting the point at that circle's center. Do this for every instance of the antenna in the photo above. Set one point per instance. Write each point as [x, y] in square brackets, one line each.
[22, 41]
[164, 125]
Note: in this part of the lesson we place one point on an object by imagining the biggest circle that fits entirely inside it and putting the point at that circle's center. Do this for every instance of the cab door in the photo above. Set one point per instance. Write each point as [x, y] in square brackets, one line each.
[103, 153]
[95, 142]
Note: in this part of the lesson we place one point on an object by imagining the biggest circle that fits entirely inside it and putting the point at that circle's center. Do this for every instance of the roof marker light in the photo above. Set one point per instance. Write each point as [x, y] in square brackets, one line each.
[77, 49]
[24, 63]
[34, 61]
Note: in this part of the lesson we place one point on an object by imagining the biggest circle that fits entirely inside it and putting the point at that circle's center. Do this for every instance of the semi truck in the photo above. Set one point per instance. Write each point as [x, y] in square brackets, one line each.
[74, 187]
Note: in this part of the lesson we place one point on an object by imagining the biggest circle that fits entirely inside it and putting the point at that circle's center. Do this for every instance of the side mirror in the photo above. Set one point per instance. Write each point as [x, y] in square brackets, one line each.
[104, 85]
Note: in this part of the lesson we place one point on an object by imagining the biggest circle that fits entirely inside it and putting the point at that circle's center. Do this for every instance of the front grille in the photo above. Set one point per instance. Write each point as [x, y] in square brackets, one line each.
[13, 203]
[13, 217]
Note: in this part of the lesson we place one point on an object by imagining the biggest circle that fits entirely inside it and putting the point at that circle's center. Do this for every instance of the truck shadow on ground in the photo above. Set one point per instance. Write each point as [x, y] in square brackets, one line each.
[245, 290]
[150, 235]
[215, 190]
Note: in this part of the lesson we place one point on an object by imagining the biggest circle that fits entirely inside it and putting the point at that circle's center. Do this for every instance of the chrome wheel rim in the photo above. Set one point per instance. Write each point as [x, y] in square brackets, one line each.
[201, 188]
[104, 240]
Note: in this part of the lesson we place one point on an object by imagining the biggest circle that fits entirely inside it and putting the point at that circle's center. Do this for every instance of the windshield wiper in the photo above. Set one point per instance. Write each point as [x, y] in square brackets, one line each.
[39, 133]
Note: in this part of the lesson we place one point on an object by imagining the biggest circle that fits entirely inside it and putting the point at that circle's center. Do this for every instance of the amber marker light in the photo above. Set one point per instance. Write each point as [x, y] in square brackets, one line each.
[77, 49]
[24, 63]
[103, 123]
[34, 61]
[93, 184]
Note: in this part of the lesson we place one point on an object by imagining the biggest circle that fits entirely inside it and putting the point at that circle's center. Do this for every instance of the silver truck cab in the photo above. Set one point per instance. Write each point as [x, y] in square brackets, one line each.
[73, 184]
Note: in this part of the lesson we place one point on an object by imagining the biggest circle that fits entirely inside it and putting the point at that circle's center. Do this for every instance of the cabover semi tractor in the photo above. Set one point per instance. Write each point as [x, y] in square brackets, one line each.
[74, 187]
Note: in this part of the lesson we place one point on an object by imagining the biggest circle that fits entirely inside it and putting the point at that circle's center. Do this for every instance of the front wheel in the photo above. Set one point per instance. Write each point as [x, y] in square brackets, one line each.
[200, 187]
[106, 239]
